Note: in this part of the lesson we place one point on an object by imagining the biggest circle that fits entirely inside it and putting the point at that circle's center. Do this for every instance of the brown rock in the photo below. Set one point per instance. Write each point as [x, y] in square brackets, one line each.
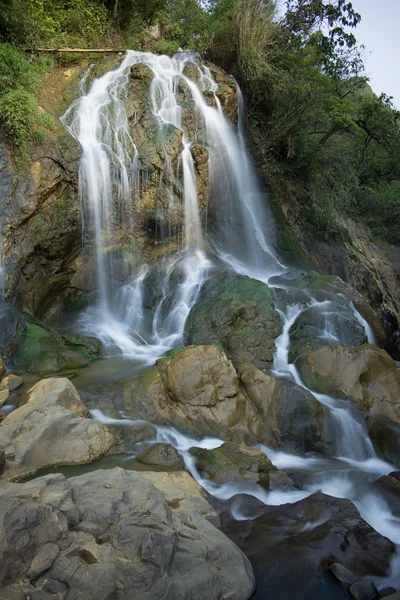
[366, 375]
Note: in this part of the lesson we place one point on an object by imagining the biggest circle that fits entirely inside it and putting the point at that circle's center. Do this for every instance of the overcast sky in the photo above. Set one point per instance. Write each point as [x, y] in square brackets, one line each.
[379, 32]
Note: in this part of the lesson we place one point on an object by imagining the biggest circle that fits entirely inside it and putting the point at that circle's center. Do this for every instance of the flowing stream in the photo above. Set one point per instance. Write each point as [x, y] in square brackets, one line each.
[239, 237]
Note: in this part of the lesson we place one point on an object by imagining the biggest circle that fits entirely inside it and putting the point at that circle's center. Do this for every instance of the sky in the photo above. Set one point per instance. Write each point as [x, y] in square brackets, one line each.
[379, 32]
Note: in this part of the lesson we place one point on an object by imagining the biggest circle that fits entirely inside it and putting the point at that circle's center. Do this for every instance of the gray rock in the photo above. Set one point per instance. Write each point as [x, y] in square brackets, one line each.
[112, 534]
[162, 455]
[53, 428]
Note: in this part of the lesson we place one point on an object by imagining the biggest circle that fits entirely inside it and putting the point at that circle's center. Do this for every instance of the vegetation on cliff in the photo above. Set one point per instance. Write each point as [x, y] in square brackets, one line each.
[323, 139]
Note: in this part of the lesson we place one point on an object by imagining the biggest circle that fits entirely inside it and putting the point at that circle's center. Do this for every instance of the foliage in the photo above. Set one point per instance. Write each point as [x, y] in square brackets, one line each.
[17, 114]
[19, 82]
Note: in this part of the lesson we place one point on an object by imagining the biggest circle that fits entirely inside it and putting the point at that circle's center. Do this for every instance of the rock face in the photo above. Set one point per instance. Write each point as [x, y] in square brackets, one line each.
[294, 545]
[47, 269]
[366, 375]
[52, 428]
[198, 391]
[112, 534]
[238, 313]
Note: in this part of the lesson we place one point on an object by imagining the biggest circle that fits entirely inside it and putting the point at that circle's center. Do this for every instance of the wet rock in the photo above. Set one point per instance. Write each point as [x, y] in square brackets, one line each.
[294, 545]
[389, 488]
[327, 287]
[41, 349]
[52, 428]
[308, 332]
[113, 533]
[234, 462]
[366, 375]
[135, 433]
[364, 590]
[295, 420]
[162, 455]
[238, 313]
[386, 438]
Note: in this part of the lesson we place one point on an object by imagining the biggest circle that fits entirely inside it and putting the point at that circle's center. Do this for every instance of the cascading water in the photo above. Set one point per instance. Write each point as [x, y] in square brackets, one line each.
[109, 183]
[240, 233]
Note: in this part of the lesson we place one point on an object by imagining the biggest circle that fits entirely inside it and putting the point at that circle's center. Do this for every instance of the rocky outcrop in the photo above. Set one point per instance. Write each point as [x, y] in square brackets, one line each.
[366, 375]
[238, 313]
[198, 391]
[48, 270]
[370, 266]
[112, 533]
[53, 428]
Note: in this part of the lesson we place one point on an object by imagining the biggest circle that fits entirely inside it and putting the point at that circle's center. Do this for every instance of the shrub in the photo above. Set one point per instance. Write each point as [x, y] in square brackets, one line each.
[18, 110]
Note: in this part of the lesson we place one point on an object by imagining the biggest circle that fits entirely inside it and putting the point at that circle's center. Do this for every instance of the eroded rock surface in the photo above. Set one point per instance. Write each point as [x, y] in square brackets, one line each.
[112, 534]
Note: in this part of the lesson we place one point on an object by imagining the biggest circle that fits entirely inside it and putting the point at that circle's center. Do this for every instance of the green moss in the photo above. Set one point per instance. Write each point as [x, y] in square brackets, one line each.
[42, 350]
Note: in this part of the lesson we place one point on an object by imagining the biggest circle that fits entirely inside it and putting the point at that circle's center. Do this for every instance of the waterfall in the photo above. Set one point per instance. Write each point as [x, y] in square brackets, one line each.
[109, 185]
[239, 234]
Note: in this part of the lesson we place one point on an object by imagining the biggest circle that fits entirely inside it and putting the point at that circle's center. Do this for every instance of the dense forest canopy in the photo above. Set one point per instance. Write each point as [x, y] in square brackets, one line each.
[319, 132]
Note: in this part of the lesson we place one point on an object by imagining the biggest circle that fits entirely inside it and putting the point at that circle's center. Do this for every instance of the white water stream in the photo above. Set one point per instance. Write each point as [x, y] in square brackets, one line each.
[240, 235]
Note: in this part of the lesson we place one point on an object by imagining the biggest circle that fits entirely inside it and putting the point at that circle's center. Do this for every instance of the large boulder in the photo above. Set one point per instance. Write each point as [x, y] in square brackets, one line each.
[366, 375]
[238, 313]
[53, 428]
[112, 534]
[195, 389]
[198, 390]
[292, 546]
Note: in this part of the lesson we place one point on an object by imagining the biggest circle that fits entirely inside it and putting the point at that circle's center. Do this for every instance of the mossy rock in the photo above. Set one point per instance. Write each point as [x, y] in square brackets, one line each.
[234, 462]
[238, 313]
[42, 350]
